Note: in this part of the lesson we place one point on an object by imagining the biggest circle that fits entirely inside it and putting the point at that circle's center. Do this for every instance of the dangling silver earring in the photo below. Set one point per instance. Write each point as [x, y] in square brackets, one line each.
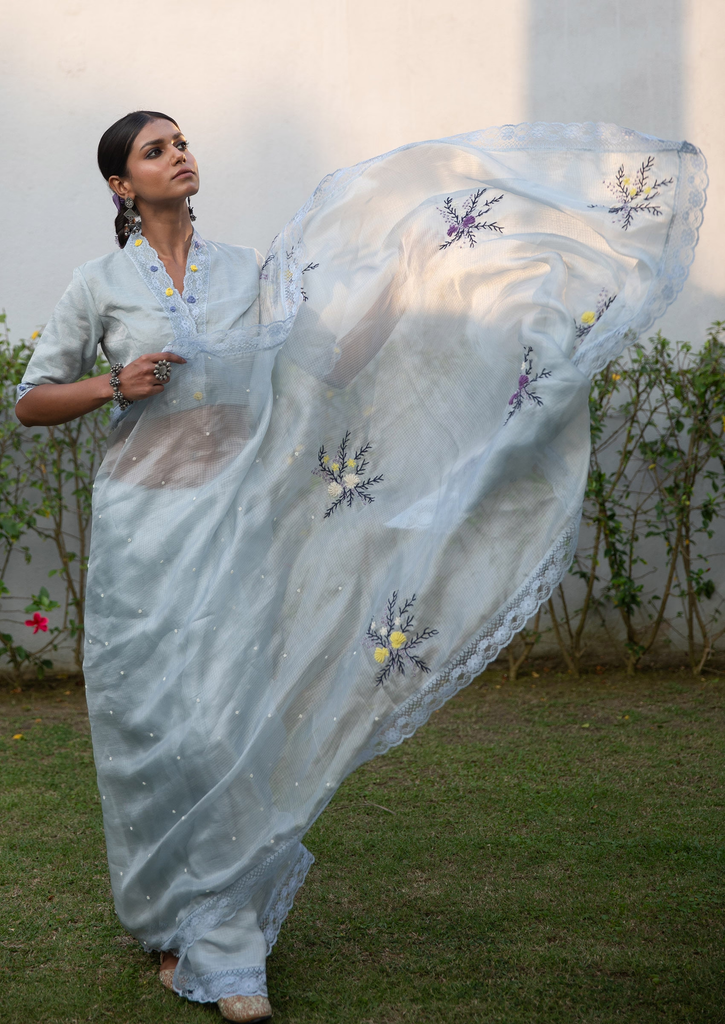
[191, 209]
[132, 216]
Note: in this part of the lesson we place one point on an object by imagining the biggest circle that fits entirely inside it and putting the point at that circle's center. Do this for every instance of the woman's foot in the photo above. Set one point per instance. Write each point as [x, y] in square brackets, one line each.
[245, 1009]
[166, 971]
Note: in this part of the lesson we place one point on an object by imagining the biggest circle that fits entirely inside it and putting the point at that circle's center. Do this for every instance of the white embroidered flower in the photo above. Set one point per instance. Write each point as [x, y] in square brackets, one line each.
[334, 489]
[397, 620]
[383, 630]
[523, 367]
[351, 480]
[373, 627]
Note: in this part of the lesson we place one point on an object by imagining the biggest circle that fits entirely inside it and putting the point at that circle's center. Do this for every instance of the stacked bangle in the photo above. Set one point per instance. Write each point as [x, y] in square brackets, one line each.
[121, 402]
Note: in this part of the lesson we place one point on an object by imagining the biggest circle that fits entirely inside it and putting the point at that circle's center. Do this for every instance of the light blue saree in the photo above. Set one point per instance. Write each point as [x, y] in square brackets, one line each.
[332, 521]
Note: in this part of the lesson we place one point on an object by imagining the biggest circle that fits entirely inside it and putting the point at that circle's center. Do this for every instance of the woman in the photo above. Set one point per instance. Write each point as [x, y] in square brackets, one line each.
[338, 482]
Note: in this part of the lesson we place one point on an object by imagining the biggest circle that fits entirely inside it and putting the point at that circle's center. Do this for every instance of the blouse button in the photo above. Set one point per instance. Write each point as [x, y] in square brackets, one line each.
[139, 241]
[172, 309]
[169, 291]
[193, 267]
[153, 269]
[191, 299]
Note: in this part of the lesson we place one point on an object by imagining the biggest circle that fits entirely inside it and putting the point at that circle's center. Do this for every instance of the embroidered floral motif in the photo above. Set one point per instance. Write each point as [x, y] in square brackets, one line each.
[523, 392]
[394, 640]
[592, 316]
[344, 475]
[310, 266]
[634, 195]
[462, 226]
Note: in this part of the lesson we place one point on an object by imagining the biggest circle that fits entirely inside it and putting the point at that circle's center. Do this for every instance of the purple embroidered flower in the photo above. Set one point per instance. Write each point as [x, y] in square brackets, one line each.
[634, 195]
[523, 392]
[463, 225]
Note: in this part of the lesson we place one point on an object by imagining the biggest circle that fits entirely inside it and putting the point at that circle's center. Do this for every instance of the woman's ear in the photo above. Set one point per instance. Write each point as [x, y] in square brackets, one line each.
[120, 186]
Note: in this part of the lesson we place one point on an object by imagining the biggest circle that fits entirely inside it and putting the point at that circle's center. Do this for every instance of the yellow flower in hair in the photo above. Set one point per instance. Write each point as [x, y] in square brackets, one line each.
[169, 291]
[397, 639]
[589, 317]
[381, 654]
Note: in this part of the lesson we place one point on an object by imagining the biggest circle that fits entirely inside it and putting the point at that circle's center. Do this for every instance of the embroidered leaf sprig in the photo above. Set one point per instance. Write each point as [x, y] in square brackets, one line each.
[635, 194]
[463, 225]
[344, 474]
[395, 641]
[592, 316]
[526, 379]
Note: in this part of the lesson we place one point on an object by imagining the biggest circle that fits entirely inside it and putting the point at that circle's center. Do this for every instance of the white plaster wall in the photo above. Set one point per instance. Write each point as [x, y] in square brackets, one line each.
[274, 94]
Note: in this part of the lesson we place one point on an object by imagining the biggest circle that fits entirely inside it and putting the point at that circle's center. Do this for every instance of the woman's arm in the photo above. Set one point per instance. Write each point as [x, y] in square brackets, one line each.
[48, 405]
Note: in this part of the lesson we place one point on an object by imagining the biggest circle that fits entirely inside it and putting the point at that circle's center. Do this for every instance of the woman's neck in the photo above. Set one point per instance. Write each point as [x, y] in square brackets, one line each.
[168, 230]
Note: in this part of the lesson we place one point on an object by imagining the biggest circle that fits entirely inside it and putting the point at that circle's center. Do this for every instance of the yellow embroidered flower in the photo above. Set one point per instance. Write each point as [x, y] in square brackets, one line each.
[381, 654]
[34, 335]
[616, 376]
[626, 181]
[632, 192]
[198, 396]
[397, 639]
[193, 267]
[326, 458]
[139, 241]
[351, 462]
[648, 190]
[589, 317]
[169, 291]
[335, 466]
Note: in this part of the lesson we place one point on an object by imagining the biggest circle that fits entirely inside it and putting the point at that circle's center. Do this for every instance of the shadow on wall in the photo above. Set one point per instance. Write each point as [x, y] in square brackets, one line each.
[617, 61]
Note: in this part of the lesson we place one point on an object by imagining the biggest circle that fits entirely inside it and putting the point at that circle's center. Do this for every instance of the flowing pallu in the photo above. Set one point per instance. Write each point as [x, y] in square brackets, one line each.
[331, 522]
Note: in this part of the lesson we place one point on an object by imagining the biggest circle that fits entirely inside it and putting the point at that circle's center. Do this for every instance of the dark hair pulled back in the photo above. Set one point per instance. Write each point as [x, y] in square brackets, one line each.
[113, 150]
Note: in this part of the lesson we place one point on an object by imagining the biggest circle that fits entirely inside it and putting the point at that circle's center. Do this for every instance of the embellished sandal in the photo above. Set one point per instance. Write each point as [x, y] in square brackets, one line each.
[166, 971]
[245, 1009]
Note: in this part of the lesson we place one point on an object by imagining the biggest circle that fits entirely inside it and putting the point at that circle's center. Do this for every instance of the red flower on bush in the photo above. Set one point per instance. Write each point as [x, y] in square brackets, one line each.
[39, 622]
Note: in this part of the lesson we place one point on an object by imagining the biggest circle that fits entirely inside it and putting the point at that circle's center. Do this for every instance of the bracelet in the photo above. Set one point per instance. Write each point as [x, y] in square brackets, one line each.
[121, 402]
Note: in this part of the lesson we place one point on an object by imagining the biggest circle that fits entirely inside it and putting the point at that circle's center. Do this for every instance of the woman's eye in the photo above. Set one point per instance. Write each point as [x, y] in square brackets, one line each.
[183, 144]
[152, 152]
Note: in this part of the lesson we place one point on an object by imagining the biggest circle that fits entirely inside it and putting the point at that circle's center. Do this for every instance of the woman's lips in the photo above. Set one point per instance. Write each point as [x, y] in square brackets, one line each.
[182, 174]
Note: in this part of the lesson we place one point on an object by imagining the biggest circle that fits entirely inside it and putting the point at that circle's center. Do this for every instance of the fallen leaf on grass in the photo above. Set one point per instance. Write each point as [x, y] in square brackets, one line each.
[585, 725]
[18, 736]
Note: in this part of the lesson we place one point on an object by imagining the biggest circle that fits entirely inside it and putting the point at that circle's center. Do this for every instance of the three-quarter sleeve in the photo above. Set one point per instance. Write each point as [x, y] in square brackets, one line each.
[69, 343]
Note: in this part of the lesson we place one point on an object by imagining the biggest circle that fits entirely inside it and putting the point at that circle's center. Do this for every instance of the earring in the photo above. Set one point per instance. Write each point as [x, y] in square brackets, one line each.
[192, 216]
[133, 217]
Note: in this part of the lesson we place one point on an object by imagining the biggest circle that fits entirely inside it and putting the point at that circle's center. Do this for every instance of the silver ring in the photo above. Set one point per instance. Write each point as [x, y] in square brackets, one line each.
[162, 371]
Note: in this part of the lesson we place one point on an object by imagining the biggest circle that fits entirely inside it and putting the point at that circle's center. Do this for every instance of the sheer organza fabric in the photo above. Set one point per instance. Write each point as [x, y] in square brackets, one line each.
[330, 522]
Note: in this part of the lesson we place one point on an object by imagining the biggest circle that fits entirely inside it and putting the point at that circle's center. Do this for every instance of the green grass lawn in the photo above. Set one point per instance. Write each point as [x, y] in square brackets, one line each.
[541, 852]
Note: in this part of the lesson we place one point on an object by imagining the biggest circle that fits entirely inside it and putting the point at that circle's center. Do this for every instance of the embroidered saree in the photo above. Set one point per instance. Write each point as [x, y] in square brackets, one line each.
[366, 478]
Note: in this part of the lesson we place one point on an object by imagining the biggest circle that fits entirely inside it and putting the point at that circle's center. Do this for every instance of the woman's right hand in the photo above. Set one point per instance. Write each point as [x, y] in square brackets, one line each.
[137, 380]
[48, 405]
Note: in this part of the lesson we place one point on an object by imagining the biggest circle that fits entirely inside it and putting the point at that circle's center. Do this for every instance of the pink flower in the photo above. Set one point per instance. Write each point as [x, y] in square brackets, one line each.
[467, 221]
[523, 380]
[39, 621]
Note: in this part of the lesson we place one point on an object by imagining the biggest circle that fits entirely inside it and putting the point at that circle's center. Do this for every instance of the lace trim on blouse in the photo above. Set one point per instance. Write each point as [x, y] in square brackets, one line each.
[186, 312]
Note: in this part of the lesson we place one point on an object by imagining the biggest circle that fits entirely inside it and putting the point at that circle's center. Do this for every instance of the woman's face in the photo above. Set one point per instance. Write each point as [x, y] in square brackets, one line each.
[160, 167]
